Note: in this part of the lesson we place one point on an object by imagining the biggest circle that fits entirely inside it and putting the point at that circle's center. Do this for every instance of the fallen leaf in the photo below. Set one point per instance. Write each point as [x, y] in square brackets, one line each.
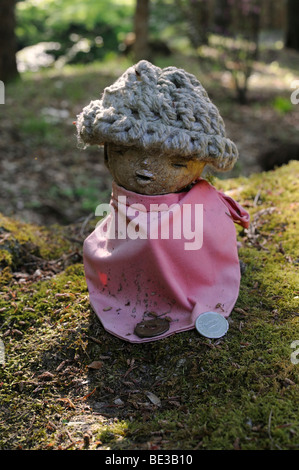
[95, 365]
[51, 426]
[46, 376]
[61, 366]
[153, 398]
[289, 381]
[64, 295]
[240, 310]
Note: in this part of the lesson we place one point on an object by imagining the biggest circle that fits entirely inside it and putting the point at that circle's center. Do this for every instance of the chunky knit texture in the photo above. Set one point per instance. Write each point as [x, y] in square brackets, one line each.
[153, 108]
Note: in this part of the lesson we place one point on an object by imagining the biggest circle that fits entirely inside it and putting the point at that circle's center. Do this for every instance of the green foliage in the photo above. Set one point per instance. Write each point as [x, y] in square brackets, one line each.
[101, 25]
[282, 105]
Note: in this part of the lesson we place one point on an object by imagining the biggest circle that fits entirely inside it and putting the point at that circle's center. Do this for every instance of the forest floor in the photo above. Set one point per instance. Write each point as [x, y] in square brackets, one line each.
[65, 383]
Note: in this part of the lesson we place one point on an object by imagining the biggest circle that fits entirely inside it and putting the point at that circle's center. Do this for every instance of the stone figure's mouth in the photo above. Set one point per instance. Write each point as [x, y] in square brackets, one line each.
[144, 176]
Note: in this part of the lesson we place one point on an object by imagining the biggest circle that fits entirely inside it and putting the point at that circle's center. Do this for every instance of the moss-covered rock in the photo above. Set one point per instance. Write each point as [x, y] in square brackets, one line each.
[68, 384]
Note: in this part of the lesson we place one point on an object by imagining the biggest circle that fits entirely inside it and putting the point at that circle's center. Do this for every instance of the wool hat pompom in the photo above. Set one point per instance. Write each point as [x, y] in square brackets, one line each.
[154, 108]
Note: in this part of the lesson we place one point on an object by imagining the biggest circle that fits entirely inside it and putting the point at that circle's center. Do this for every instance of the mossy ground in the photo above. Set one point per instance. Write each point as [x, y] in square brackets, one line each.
[239, 392]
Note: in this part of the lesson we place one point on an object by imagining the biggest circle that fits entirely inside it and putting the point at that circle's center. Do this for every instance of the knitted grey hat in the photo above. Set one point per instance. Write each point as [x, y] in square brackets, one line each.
[153, 108]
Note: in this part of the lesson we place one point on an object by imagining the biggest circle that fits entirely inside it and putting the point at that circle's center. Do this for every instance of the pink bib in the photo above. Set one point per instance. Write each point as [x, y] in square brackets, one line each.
[172, 256]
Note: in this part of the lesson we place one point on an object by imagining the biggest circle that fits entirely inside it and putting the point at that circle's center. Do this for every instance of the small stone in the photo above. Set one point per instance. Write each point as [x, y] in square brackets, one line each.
[118, 401]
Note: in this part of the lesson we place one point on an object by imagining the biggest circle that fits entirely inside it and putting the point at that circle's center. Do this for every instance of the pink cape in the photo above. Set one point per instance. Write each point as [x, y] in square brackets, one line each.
[161, 268]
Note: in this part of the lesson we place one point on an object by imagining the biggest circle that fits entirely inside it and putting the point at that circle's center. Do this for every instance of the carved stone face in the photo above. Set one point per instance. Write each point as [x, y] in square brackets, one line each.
[151, 173]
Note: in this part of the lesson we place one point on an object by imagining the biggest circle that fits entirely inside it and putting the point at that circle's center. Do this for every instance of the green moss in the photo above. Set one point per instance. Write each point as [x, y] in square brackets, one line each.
[5, 258]
[239, 392]
[23, 245]
[51, 243]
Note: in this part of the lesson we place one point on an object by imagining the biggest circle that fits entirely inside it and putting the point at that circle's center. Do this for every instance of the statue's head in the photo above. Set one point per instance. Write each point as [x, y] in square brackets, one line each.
[159, 129]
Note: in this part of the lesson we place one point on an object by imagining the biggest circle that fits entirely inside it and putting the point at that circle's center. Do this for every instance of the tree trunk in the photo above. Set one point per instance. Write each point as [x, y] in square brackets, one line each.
[292, 37]
[141, 29]
[222, 16]
[8, 66]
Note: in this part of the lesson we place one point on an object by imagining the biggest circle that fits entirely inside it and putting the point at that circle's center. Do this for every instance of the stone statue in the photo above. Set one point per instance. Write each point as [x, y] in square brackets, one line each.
[166, 254]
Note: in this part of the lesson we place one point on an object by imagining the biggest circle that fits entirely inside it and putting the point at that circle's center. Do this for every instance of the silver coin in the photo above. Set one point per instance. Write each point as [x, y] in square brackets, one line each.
[211, 325]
